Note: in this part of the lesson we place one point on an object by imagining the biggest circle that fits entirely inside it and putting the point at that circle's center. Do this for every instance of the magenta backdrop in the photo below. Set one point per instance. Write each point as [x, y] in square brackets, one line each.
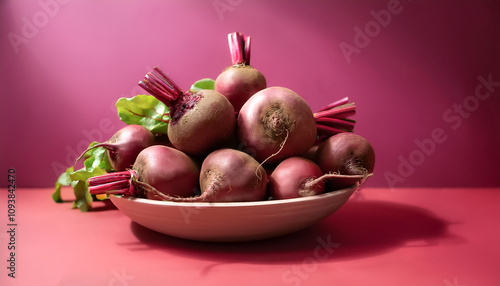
[425, 75]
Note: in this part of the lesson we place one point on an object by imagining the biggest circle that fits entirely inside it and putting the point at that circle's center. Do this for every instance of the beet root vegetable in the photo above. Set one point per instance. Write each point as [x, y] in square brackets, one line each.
[311, 153]
[276, 123]
[295, 177]
[200, 121]
[124, 146]
[228, 175]
[239, 81]
[348, 155]
[157, 169]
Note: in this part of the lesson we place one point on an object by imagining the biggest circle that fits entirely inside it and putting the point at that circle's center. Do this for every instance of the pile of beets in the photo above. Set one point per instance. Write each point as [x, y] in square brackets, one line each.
[241, 141]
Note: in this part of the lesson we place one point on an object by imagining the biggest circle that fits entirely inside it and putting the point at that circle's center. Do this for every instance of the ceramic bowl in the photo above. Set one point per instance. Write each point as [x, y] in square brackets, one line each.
[235, 221]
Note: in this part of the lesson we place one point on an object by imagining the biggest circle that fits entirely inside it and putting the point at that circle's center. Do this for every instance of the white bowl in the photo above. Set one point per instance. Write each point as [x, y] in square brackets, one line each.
[236, 221]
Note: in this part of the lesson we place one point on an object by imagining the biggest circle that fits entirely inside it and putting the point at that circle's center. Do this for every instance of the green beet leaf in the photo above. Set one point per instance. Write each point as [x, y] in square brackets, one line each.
[83, 199]
[83, 174]
[95, 164]
[63, 180]
[206, 83]
[144, 110]
[97, 158]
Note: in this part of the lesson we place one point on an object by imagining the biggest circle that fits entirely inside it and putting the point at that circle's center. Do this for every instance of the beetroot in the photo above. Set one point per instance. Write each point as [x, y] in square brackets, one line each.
[228, 175]
[200, 122]
[239, 81]
[276, 123]
[124, 146]
[346, 154]
[295, 177]
[158, 169]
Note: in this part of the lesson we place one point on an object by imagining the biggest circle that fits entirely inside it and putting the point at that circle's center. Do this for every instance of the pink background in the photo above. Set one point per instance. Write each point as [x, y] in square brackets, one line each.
[65, 63]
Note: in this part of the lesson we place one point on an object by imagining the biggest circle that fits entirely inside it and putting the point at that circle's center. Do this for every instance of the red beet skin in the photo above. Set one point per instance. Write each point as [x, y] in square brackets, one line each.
[276, 123]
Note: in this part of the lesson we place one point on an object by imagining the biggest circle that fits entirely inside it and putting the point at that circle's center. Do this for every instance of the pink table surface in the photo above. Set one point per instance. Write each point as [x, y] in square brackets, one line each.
[445, 237]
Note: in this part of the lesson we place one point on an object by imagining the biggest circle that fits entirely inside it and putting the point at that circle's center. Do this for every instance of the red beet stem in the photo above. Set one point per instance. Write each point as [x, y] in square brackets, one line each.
[339, 102]
[113, 183]
[342, 111]
[111, 186]
[336, 122]
[359, 178]
[108, 178]
[239, 47]
[247, 50]
[108, 146]
[163, 88]
[329, 130]
[333, 118]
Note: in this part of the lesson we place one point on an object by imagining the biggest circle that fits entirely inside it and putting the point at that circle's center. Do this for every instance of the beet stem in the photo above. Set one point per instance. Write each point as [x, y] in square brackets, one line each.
[106, 145]
[312, 183]
[247, 50]
[105, 187]
[329, 130]
[335, 122]
[168, 81]
[343, 111]
[158, 84]
[110, 177]
[239, 48]
[333, 118]
[113, 183]
[339, 102]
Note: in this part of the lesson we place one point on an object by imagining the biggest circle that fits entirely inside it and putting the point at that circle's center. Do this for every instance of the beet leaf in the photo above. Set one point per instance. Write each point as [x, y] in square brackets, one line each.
[144, 110]
[205, 83]
[95, 164]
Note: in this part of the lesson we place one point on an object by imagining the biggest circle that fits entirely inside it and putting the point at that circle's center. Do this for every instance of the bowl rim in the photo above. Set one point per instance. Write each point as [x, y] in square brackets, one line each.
[238, 204]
